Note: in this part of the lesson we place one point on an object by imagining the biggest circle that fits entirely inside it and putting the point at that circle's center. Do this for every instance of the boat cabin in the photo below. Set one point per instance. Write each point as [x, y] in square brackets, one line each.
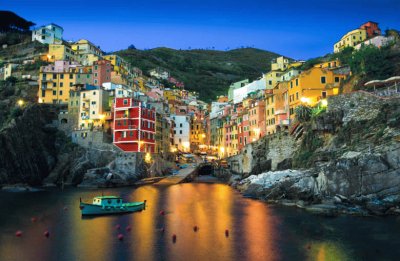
[106, 201]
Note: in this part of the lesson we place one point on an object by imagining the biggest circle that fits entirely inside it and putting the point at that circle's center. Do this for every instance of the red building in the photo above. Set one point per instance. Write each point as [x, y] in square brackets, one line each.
[371, 28]
[134, 126]
[101, 72]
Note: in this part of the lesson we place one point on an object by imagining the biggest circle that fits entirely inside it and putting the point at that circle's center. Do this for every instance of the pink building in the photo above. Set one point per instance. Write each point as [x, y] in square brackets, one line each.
[101, 72]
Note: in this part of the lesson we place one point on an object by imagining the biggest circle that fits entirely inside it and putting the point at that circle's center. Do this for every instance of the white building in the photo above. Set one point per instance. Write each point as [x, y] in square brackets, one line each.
[93, 107]
[118, 90]
[48, 34]
[8, 68]
[181, 132]
[378, 41]
[241, 93]
[217, 108]
[289, 74]
[159, 73]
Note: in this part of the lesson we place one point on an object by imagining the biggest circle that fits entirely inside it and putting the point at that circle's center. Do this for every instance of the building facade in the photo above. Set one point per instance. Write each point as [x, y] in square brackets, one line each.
[48, 34]
[134, 126]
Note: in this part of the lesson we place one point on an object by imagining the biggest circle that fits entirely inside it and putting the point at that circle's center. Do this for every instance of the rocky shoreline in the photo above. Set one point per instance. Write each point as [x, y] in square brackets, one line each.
[310, 191]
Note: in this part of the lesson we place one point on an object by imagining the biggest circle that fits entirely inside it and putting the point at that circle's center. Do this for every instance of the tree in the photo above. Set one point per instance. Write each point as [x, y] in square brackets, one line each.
[303, 113]
[131, 47]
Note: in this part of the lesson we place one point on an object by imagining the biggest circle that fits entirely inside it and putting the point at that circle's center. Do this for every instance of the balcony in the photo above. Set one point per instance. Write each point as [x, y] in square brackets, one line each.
[277, 112]
[284, 122]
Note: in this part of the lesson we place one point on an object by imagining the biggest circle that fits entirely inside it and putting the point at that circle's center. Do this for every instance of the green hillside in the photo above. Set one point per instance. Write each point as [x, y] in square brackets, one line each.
[208, 72]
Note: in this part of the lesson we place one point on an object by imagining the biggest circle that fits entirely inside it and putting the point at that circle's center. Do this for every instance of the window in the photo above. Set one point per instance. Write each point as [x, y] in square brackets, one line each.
[54, 84]
[180, 132]
[297, 82]
[181, 125]
[93, 112]
[323, 79]
[125, 102]
[54, 76]
[71, 76]
[54, 92]
[70, 84]
[337, 79]
[323, 95]
[297, 95]
[61, 76]
[60, 92]
[93, 102]
[291, 85]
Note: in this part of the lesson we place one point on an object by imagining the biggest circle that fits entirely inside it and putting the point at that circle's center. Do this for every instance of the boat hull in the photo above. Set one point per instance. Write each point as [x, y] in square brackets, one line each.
[91, 209]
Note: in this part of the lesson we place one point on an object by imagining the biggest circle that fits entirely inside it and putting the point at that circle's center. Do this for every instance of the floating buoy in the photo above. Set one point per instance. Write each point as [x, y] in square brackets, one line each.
[117, 227]
[33, 219]
[162, 212]
[46, 234]
[195, 228]
[120, 237]
[18, 233]
[227, 233]
[174, 238]
[128, 228]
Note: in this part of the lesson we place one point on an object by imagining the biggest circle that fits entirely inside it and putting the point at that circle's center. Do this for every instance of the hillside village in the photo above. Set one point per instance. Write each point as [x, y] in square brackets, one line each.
[102, 100]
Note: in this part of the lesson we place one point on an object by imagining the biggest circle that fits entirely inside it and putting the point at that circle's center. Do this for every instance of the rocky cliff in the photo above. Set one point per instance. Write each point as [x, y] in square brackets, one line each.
[348, 160]
[29, 146]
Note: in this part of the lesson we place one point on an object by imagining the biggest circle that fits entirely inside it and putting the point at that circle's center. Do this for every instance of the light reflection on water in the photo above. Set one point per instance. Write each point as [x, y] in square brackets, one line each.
[257, 231]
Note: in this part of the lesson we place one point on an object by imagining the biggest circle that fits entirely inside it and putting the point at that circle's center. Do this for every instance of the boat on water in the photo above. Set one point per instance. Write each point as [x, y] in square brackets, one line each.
[107, 205]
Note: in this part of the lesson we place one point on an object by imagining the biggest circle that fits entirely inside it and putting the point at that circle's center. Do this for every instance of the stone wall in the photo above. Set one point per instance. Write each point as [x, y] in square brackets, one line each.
[269, 153]
[92, 139]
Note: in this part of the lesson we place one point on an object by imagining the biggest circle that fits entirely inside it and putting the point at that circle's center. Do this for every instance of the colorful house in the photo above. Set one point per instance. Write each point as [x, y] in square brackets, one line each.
[60, 52]
[101, 72]
[134, 126]
[55, 82]
[312, 86]
[350, 39]
[48, 34]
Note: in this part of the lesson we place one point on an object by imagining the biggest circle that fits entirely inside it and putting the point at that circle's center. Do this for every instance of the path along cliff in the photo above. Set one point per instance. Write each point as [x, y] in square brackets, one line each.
[347, 160]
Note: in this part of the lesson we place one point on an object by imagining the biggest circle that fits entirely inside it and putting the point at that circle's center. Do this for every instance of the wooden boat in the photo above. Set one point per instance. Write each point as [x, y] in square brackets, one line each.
[106, 205]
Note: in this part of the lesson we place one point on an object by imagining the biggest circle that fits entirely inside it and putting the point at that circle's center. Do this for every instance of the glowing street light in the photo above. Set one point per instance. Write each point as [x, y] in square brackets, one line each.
[20, 103]
[305, 100]
[324, 103]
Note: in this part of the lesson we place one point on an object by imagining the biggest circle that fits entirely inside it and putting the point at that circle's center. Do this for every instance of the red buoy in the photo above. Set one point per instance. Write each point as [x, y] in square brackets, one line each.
[120, 237]
[195, 228]
[162, 212]
[46, 234]
[174, 238]
[128, 228]
[227, 233]
[18, 233]
[33, 219]
[117, 227]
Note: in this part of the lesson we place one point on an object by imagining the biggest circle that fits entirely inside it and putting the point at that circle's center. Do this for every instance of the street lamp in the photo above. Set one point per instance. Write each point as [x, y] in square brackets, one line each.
[20, 103]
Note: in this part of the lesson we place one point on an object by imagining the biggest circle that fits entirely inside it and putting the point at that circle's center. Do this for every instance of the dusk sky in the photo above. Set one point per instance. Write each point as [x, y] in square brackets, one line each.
[297, 29]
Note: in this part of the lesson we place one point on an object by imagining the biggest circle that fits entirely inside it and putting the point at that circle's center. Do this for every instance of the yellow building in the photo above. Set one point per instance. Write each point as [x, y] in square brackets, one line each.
[312, 86]
[350, 39]
[281, 63]
[60, 52]
[54, 87]
[270, 108]
[119, 64]
[86, 52]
